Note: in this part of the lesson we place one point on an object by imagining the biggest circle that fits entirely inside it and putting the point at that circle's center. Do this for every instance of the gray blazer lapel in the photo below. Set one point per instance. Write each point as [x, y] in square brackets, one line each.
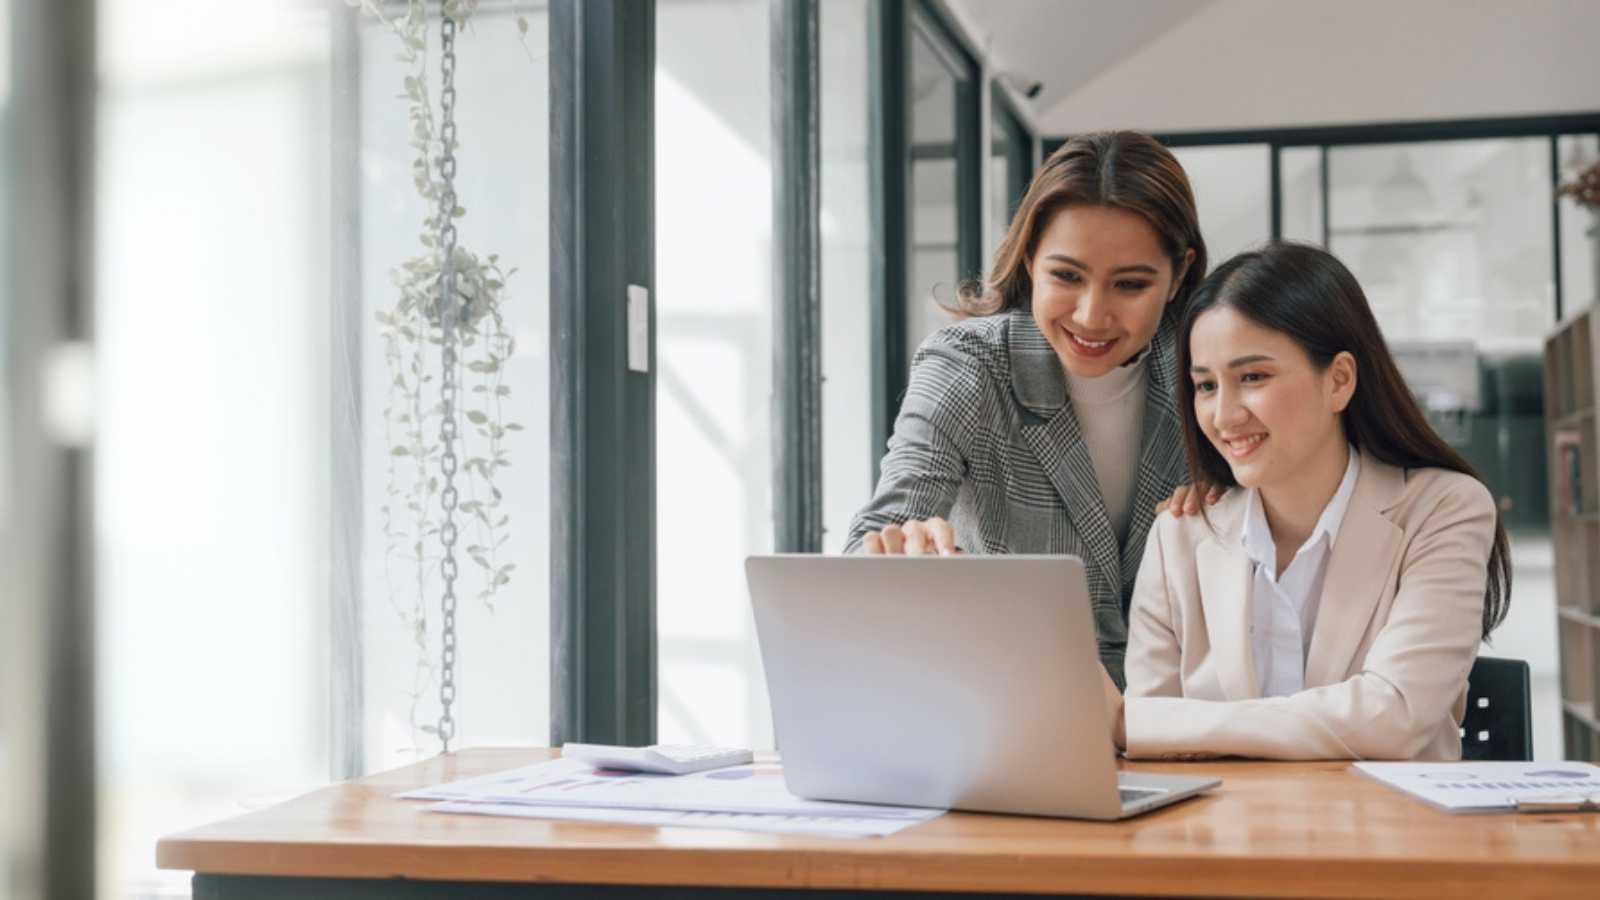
[1051, 430]
[1161, 452]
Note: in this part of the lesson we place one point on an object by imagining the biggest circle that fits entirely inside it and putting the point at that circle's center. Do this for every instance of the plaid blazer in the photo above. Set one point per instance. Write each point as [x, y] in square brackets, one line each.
[987, 438]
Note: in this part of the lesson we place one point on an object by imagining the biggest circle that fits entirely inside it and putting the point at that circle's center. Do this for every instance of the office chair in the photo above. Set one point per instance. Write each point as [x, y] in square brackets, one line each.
[1499, 721]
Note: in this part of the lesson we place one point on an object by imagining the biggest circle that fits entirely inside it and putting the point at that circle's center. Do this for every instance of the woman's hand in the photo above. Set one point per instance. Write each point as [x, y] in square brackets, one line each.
[918, 537]
[1185, 499]
[1114, 709]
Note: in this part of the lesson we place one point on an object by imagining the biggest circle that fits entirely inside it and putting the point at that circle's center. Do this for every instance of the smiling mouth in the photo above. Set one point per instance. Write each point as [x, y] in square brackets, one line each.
[1240, 447]
[1087, 347]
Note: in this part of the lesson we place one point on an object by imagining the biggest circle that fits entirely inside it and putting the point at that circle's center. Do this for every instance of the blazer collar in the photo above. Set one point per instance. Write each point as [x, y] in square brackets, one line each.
[1036, 377]
[1051, 430]
[1040, 385]
[1358, 568]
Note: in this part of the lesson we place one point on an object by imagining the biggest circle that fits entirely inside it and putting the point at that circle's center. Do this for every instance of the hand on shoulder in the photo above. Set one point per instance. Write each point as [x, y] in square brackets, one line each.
[1185, 499]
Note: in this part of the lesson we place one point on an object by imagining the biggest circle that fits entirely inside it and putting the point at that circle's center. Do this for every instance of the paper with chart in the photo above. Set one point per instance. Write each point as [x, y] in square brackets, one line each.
[750, 797]
[1485, 786]
[826, 826]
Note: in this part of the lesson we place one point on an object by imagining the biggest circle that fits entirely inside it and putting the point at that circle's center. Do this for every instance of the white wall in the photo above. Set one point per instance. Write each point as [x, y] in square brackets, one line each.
[1264, 63]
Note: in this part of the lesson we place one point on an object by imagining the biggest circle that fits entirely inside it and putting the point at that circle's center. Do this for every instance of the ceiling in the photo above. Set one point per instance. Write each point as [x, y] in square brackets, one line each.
[1064, 44]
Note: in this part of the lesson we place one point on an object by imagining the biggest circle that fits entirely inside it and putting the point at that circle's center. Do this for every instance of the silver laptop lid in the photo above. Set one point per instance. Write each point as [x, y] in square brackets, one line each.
[966, 682]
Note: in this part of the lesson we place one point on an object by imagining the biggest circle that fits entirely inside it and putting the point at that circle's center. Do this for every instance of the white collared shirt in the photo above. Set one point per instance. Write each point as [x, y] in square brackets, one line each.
[1283, 610]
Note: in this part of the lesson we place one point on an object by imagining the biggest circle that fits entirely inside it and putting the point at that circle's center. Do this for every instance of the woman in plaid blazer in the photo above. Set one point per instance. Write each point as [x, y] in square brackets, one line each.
[990, 453]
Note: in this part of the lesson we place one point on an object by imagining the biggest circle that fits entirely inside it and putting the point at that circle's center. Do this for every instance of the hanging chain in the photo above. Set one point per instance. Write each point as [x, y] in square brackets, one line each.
[448, 318]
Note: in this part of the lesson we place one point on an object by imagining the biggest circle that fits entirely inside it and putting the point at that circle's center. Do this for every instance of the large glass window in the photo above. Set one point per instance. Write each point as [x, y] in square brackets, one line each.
[939, 79]
[502, 185]
[1450, 239]
[1580, 226]
[1233, 194]
[713, 364]
[211, 467]
[846, 223]
[1010, 169]
[1300, 183]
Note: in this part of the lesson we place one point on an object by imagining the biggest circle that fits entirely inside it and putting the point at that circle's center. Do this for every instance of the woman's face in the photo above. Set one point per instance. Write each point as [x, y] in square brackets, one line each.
[1262, 402]
[1100, 283]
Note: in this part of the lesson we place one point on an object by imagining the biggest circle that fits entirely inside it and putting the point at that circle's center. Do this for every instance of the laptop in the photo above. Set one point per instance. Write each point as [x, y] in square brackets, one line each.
[964, 682]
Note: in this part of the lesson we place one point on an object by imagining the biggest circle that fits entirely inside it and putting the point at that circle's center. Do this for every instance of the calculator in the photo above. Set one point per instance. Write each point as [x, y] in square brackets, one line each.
[660, 759]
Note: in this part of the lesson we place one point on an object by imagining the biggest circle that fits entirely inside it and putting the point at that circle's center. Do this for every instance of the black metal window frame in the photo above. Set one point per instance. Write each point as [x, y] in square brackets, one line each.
[929, 21]
[1327, 137]
[1019, 148]
[603, 415]
[796, 278]
[603, 462]
[893, 24]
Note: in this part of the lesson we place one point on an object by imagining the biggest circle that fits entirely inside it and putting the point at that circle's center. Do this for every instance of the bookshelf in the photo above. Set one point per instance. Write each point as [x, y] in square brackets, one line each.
[1573, 444]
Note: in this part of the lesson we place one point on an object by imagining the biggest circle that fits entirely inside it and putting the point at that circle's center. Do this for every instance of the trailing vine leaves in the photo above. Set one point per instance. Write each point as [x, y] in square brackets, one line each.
[411, 333]
[1584, 188]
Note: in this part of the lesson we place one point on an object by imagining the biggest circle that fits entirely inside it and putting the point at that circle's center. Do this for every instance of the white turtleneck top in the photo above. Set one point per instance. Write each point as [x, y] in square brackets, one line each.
[1110, 411]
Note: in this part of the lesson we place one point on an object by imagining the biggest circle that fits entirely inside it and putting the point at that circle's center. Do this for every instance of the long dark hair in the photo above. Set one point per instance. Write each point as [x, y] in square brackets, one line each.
[1304, 292]
[1126, 169]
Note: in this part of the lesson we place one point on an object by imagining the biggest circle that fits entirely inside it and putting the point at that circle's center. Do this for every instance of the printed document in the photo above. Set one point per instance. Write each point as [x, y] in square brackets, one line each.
[751, 788]
[747, 797]
[1485, 786]
[825, 826]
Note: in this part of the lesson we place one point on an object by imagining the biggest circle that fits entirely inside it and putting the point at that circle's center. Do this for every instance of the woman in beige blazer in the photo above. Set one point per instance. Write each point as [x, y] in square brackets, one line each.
[1330, 605]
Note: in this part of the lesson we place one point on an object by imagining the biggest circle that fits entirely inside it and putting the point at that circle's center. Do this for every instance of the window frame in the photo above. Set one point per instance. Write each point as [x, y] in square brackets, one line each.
[1330, 137]
[893, 24]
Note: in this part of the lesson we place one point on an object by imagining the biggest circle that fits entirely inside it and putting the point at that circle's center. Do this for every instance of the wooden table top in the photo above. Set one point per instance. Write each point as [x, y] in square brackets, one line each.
[1271, 829]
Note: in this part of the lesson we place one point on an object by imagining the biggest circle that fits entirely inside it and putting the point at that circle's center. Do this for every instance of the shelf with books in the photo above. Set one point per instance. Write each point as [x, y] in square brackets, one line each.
[1572, 346]
[1572, 469]
[1569, 368]
[1577, 663]
[1576, 542]
[1573, 446]
[1581, 733]
[1578, 616]
[1576, 419]
[1582, 713]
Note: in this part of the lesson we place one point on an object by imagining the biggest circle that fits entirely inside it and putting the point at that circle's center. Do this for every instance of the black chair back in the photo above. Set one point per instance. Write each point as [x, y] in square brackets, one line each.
[1499, 720]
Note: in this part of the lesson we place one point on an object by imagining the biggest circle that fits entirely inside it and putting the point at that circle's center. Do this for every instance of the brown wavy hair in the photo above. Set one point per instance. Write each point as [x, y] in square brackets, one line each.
[1307, 294]
[1126, 169]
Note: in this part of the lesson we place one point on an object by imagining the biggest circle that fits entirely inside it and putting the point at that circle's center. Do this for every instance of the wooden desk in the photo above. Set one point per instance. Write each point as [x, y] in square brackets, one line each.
[1272, 829]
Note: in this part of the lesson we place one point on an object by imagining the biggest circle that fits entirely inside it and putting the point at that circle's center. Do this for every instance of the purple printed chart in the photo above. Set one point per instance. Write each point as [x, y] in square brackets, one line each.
[1488, 786]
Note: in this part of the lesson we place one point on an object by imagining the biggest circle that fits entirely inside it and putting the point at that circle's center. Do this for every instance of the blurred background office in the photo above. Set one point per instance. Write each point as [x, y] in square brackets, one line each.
[221, 462]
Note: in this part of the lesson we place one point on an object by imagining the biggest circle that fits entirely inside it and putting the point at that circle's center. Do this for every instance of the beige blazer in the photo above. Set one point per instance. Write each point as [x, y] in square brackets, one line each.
[1396, 633]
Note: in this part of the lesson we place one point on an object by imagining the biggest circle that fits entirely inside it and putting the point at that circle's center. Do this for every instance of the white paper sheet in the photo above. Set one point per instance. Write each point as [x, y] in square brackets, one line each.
[826, 826]
[1485, 786]
[754, 788]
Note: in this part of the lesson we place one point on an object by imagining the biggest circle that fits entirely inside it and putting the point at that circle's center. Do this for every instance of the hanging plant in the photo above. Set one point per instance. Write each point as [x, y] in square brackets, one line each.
[1584, 188]
[425, 487]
